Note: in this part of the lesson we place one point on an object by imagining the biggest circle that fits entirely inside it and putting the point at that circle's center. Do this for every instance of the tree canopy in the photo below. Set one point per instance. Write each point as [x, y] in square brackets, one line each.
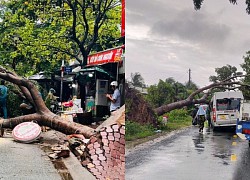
[137, 80]
[223, 73]
[38, 35]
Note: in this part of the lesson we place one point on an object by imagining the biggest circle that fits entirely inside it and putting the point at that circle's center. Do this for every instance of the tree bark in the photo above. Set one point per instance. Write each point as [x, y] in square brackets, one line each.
[43, 115]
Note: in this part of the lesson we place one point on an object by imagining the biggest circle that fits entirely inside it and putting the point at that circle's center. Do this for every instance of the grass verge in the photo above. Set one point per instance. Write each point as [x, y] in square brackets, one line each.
[136, 133]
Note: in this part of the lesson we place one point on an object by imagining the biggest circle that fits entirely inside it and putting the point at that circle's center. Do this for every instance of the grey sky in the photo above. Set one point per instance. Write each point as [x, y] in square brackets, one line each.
[165, 38]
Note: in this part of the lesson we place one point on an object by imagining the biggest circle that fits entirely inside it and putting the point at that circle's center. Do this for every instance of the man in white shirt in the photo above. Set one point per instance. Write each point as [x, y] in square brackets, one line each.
[115, 98]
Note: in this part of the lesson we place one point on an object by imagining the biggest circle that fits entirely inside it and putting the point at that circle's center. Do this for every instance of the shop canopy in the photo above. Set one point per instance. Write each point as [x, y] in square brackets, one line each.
[90, 74]
[97, 69]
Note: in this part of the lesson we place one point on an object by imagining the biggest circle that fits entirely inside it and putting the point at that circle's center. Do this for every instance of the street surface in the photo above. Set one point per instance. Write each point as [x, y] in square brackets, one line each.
[190, 155]
[24, 162]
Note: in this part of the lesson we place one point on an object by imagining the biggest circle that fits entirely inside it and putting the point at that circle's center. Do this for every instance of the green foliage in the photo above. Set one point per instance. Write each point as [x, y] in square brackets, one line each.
[198, 3]
[177, 119]
[223, 73]
[13, 103]
[136, 131]
[246, 67]
[168, 92]
[37, 35]
[160, 94]
[178, 114]
[137, 80]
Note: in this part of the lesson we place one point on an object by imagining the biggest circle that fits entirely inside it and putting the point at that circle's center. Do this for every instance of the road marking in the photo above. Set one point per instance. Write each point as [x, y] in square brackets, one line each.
[234, 143]
[233, 157]
[235, 136]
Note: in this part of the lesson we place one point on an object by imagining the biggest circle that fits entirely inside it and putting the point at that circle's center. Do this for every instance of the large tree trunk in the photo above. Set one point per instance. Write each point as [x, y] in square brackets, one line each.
[191, 99]
[43, 115]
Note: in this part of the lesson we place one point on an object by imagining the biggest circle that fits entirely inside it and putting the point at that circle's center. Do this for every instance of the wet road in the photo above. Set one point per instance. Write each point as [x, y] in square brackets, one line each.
[190, 155]
[24, 162]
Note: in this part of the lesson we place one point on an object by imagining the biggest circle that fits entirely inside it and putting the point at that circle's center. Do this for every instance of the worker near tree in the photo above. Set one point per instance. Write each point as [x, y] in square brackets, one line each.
[3, 102]
[3, 98]
[51, 100]
[115, 98]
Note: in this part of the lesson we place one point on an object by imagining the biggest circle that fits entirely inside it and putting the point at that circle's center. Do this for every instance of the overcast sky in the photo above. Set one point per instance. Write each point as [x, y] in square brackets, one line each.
[164, 38]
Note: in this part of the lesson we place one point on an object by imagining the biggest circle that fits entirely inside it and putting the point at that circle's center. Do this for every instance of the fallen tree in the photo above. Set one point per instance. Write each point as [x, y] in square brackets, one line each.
[43, 116]
[230, 84]
[138, 110]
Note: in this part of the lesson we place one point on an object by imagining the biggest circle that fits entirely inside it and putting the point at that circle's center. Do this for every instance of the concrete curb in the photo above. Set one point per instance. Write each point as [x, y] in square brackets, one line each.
[73, 165]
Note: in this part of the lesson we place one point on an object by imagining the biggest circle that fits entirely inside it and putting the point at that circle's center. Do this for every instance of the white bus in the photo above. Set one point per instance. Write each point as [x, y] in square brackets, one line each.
[225, 107]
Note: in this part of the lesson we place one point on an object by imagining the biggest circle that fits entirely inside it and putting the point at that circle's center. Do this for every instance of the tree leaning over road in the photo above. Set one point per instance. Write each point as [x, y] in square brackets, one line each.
[191, 98]
[43, 115]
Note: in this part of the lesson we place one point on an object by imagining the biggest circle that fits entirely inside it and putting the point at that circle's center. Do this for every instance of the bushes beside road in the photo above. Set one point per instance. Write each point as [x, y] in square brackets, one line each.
[177, 119]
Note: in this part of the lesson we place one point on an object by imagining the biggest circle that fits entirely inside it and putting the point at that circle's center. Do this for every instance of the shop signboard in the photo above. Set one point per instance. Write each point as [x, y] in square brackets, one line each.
[68, 69]
[108, 56]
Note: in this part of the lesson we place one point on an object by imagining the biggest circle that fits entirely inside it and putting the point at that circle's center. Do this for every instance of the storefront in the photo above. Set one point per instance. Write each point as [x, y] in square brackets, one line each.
[94, 80]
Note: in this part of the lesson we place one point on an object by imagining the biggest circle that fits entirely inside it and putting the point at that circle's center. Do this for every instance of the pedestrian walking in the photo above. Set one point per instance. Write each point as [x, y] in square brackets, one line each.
[115, 98]
[194, 115]
[201, 114]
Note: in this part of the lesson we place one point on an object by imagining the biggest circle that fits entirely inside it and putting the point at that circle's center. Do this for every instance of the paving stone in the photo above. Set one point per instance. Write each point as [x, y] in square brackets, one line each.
[96, 145]
[122, 131]
[109, 129]
[111, 138]
[117, 135]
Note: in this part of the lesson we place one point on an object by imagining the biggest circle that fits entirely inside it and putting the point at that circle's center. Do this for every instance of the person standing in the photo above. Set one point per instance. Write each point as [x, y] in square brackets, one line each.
[3, 102]
[115, 98]
[201, 118]
[3, 98]
[51, 100]
[194, 115]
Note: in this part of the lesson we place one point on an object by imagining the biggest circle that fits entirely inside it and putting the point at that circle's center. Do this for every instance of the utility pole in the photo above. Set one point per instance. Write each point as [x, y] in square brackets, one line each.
[189, 77]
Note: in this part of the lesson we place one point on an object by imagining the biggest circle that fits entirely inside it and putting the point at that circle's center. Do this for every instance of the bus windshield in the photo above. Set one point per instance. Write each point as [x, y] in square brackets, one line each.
[227, 104]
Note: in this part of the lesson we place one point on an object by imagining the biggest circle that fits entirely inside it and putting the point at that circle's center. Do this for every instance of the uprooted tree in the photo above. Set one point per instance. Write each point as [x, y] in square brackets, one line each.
[146, 114]
[225, 84]
[43, 116]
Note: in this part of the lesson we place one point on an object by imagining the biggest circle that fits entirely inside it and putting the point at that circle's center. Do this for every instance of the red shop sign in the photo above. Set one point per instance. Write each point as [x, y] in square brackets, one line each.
[109, 56]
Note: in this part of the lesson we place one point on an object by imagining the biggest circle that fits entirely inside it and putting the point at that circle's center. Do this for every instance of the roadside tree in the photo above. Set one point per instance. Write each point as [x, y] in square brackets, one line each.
[137, 80]
[38, 35]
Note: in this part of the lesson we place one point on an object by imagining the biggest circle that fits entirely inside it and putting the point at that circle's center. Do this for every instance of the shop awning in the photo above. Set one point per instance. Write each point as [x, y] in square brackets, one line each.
[96, 68]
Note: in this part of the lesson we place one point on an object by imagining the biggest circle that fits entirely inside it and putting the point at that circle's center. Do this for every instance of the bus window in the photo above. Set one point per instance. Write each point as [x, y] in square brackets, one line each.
[227, 104]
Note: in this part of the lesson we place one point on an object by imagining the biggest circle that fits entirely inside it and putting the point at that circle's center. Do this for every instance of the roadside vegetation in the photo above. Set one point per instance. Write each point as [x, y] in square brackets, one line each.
[177, 119]
[146, 105]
